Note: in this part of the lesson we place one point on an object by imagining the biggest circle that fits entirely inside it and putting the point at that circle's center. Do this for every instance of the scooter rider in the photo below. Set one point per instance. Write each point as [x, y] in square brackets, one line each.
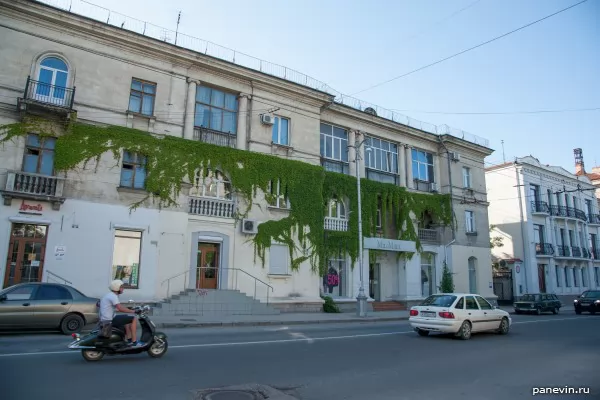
[109, 303]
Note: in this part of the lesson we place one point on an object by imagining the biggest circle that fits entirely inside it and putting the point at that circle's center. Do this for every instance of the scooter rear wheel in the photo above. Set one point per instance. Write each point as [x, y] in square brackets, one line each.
[92, 355]
[157, 349]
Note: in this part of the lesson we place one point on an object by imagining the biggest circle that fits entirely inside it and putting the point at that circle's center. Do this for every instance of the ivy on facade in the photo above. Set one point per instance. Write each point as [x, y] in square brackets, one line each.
[172, 161]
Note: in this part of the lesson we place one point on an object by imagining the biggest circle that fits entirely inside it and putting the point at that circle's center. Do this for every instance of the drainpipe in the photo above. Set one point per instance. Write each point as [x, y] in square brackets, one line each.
[524, 241]
[451, 189]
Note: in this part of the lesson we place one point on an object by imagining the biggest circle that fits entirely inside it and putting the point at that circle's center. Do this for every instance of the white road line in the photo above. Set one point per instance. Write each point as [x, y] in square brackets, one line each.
[188, 346]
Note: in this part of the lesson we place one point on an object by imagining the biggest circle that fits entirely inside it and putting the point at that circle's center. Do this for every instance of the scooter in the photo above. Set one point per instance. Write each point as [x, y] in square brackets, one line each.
[94, 346]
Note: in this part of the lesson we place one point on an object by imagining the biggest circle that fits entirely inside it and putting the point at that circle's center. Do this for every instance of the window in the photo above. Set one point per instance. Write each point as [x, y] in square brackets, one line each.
[583, 280]
[597, 276]
[21, 293]
[588, 206]
[216, 110]
[470, 222]
[460, 305]
[566, 271]
[439, 300]
[335, 280]
[471, 304]
[575, 283]
[51, 86]
[381, 160]
[534, 192]
[483, 303]
[126, 257]
[472, 274]
[428, 276]
[52, 292]
[133, 172]
[538, 236]
[141, 97]
[279, 259]
[557, 272]
[39, 155]
[211, 183]
[281, 131]
[337, 209]
[277, 195]
[466, 177]
[334, 148]
[422, 166]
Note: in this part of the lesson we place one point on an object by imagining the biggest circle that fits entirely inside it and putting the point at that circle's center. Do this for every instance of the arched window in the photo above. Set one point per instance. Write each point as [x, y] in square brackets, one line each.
[337, 209]
[472, 275]
[213, 183]
[52, 81]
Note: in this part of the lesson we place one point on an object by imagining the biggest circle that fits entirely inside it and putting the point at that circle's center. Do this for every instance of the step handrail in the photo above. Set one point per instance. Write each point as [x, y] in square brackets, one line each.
[57, 276]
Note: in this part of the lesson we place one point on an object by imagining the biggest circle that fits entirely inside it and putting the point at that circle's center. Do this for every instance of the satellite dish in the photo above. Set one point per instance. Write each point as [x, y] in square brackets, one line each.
[371, 110]
[502, 263]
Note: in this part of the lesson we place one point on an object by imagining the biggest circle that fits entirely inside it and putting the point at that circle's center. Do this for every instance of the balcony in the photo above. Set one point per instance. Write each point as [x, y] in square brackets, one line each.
[336, 224]
[576, 251]
[44, 97]
[28, 186]
[429, 235]
[593, 219]
[217, 138]
[595, 253]
[567, 212]
[211, 207]
[540, 207]
[563, 251]
[423, 186]
[585, 253]
[544, 249]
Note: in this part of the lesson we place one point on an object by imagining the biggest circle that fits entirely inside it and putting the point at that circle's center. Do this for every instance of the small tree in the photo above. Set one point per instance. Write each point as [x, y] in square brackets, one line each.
[495, 241]
[447, 283]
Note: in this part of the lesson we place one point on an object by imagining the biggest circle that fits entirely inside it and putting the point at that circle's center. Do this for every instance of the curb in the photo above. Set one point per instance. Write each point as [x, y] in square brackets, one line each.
[271, 323]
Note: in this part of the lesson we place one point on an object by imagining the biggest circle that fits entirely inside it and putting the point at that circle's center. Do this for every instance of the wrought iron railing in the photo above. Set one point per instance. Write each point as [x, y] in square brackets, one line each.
[211, 207]
[544, 249]
[34, 184]
[585, 253]
[336, 224]
[576, 251]
[429, 235]
[540, 207]
[218, 138]
[595, 253]
[593, 219]
[42, 92]
[564, 211]
[563, 251]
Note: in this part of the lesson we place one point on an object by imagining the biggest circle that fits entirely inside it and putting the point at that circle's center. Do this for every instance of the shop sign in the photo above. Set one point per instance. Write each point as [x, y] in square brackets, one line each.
[390, 245]
[30, 208]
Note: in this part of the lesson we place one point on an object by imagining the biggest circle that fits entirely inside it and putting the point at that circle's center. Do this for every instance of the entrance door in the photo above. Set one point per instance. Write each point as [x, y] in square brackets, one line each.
[26, 248]
[374, 272]
[542, 277]
[207, 271]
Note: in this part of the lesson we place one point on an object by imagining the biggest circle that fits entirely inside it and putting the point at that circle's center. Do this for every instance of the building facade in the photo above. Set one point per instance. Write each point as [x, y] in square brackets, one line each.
[550, 222]
[92, 112]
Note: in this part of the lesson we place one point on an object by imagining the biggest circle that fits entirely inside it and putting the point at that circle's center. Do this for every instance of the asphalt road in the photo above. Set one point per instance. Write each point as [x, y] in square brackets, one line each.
[374, 361]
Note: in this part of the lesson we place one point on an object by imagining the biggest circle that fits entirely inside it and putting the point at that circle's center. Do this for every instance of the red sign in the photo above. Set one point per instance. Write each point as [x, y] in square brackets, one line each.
[30, 207]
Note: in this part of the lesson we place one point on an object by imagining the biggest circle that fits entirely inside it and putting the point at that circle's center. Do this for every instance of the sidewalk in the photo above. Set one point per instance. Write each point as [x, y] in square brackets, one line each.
[197, 321]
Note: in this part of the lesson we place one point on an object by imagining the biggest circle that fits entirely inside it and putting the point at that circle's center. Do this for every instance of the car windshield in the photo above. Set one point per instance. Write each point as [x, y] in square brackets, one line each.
[592, 293]
[439, 301]
[529, 297]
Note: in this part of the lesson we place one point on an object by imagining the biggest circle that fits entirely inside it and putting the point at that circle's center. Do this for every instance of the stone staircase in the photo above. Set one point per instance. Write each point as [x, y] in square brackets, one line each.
[212, 303]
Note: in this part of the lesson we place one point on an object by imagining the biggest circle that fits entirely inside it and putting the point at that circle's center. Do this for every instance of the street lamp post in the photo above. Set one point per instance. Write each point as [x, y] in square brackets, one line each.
[361, 299]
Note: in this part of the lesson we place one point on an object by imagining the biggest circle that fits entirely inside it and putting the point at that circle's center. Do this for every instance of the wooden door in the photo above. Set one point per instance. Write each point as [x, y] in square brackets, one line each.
[26, 249]
[207, 272]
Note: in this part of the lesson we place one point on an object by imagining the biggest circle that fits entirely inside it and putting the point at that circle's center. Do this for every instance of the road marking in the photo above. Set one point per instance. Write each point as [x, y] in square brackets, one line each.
[310, 340]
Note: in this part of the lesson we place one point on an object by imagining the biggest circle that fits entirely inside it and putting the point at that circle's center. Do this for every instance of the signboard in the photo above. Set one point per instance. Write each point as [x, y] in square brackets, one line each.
[35, 209]
[390, 245]
[59, 252]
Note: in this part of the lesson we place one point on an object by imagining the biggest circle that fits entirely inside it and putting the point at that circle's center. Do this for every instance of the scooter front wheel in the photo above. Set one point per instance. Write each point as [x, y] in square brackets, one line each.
[92, 355]
[158, 349]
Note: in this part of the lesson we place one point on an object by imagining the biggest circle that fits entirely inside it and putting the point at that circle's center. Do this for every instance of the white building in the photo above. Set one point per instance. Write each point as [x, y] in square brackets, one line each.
[550, 222]
[63, 70]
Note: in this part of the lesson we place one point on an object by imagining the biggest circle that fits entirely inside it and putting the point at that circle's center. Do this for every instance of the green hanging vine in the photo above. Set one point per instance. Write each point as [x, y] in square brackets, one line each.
[172, 161]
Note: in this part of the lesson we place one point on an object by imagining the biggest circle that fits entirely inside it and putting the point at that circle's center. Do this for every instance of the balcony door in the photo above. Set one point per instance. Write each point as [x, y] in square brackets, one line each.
[26, 248]
[51, 85]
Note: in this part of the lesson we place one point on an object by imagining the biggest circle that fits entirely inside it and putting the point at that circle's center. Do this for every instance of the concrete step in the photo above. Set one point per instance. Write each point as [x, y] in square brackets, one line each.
[214, 313]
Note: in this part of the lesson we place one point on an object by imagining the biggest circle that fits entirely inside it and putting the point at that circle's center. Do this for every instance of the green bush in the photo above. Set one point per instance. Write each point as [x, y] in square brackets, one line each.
[447, 284]
[329, 306]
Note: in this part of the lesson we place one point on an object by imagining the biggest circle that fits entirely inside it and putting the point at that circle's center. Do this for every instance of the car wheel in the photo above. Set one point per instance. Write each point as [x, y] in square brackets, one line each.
[555, 310]
[504, 326]
[465, 331]
[421, 332]
[72, 323]
[538, 311]
[577, 311]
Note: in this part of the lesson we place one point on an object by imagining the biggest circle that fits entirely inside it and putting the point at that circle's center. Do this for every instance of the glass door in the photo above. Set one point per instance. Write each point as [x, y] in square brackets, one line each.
[25, 261]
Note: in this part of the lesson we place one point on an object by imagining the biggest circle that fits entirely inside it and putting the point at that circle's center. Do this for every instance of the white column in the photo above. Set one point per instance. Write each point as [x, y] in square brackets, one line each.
[190, 110]
[413, 278]
[409, 171]
[402, 165]
[242, 125]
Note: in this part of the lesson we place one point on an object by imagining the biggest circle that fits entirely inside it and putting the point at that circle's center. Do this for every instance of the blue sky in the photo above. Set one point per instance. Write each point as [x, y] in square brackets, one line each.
[352, 45]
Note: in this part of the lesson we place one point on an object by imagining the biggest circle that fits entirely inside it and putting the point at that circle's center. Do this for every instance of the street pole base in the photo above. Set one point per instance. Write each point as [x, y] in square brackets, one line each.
[361, 305]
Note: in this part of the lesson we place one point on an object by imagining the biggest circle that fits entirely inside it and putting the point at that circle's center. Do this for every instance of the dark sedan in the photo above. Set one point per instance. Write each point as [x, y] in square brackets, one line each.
[46, 306]
[538, 303]
[588, 301]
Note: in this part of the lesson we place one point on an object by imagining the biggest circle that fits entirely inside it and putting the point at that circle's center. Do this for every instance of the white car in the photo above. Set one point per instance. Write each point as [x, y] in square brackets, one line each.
[460, 314]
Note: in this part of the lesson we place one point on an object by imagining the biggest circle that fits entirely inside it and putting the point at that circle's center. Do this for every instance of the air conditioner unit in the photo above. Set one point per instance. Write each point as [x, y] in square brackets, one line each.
[454, 156]
[267, 119]
[433, 187]
[249, 226]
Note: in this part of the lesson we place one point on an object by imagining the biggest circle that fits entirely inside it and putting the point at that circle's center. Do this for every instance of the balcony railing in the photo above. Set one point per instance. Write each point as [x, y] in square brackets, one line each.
[563, 251]
[596, 254]
[218, 138]
[563, 211]
[336, 224]
[593, 219]
[429, 235]
[576, 251]
[45, 93]
[585, 253]
[545, 249]
[35, 186]
[210, 207]
[540, 207]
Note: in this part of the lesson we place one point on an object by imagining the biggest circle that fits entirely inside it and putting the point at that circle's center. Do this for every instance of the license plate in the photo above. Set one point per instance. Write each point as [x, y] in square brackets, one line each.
[428, 314]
